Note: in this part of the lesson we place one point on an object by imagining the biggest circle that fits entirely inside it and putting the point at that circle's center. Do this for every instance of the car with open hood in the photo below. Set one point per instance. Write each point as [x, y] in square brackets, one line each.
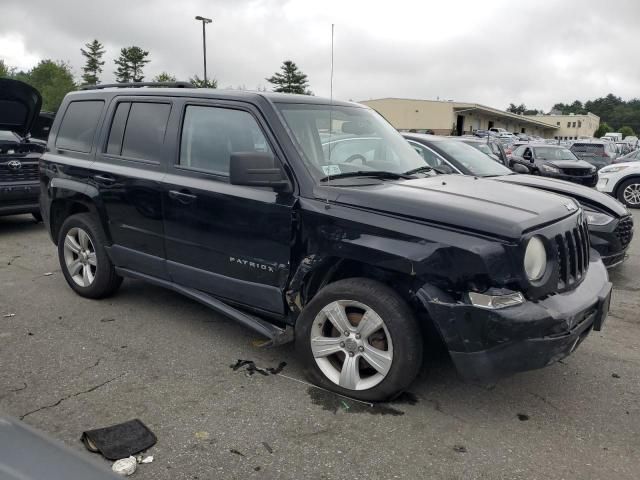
[313, 220]
[610, 223]
[19, 154]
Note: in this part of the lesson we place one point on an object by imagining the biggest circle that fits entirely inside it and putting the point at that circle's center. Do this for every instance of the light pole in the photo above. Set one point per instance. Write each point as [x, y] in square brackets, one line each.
[204, 44]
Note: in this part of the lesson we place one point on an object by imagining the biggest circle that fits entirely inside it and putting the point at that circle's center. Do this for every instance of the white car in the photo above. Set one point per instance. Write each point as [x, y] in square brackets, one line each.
[621, 180]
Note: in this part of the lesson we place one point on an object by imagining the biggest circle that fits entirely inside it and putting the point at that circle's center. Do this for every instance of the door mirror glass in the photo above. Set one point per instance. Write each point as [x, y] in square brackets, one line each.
[257, 169]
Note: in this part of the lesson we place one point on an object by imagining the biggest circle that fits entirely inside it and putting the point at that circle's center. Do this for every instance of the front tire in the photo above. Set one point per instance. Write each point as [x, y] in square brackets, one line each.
[83, 258]
[629, 193]
[359, 338]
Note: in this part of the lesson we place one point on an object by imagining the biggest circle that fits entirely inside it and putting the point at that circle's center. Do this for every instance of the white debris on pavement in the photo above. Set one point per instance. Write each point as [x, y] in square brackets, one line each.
[9, 315]
[125, 466]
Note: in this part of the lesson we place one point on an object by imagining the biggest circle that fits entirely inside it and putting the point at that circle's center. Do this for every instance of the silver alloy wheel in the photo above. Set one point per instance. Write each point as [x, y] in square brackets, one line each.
[631, 194]
[351, 345]
[80, 257]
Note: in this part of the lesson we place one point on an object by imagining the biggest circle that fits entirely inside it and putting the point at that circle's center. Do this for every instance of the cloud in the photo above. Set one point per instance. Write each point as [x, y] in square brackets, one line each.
[488, 52]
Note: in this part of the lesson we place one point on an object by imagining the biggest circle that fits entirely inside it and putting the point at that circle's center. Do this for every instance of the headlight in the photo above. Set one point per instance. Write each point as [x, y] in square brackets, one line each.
[535, 259]
[613, 169]
[597, 218]
[550, 169]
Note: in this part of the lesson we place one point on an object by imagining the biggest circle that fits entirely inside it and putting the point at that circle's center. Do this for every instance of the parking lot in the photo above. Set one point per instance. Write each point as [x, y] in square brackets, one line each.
[69, 364]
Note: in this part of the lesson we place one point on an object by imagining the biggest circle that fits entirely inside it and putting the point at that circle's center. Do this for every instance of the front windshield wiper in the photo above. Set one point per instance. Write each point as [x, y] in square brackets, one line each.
[368, 173]
[424, 168]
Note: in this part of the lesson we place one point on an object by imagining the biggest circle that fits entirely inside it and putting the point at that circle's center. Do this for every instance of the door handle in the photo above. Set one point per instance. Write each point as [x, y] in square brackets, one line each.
[182, 196]
[104, 179]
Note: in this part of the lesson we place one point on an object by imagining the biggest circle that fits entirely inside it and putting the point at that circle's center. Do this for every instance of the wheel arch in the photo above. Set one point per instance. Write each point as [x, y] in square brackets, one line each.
[73, 203]
[616, 189]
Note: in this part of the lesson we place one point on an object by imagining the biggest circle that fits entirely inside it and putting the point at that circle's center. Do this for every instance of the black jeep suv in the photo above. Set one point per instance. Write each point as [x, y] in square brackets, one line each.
[248, 203]
[19, 155]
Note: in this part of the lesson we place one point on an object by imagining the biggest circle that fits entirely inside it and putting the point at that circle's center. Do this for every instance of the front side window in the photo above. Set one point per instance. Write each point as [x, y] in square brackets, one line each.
[79, 125]
[211, 134]
[341, 139]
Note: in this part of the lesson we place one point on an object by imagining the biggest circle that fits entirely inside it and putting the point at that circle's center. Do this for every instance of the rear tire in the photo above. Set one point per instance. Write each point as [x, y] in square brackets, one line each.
[629, 193]
[359, 338]
[83, 258]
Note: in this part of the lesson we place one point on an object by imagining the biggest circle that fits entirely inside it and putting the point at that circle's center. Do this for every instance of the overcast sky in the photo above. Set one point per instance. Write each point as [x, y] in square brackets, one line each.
[490, 52]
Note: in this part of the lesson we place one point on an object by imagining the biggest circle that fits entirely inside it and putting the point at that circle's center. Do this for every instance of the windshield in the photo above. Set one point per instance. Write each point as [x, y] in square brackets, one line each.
[471, 159]
[358, 140]
[554, 153]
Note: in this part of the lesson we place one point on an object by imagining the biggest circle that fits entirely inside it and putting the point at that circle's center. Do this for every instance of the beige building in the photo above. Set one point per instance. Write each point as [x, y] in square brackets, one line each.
[457, 118]
[571, 127]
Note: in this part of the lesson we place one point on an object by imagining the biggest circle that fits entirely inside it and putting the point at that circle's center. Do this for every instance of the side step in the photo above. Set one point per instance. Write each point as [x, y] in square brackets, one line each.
[276, 335]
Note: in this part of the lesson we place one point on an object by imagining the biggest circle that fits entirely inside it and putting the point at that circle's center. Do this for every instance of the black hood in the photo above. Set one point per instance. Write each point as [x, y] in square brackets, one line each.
[584, 195]
[19, 106]
[569, 163]
[480, 205]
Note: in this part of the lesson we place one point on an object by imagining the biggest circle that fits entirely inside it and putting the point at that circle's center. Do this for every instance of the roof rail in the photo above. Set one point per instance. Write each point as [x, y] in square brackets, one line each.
[137, 85]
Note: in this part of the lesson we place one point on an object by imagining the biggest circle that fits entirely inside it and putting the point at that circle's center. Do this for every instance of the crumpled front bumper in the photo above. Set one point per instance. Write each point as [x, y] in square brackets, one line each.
[488, 344]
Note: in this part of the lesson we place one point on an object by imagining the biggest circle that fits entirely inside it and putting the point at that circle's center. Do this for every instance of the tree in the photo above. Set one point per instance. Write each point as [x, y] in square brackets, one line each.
[52, 79]
[200, 83]
[130, 64]
[602, 129]
[164, 77]
[93, 65]
[5, 70]
[627, 132]
[290, 79]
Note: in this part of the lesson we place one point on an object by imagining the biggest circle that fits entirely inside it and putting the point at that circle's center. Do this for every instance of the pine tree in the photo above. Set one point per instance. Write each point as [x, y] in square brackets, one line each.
[93, 66]
[164, 77]
[200, 83]
[130, 64]
[290, 79]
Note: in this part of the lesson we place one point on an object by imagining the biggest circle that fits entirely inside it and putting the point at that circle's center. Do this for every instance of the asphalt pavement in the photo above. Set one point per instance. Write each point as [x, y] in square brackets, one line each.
[69, 364]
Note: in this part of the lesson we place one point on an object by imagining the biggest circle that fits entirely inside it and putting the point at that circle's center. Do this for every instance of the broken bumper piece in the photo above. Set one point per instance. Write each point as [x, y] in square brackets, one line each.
[489, 343]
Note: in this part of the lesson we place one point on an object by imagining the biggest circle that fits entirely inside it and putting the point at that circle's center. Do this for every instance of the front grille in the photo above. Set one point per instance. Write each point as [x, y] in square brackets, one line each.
[28, 172]
[576, 172]
[573, 256]
[624, 231]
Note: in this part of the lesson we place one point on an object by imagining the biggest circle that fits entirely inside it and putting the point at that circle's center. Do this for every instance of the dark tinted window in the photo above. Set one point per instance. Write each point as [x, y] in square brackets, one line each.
[114, 146]
[79, 125]
[210, 135]
[145, 129]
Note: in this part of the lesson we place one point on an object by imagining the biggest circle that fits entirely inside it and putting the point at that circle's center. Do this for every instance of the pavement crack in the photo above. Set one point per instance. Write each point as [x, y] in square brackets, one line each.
[92, 389]
[544, 400]
[24, 385]
[15, 257]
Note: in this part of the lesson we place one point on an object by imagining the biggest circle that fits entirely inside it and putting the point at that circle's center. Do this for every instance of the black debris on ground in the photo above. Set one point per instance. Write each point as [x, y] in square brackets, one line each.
[615, 375]
[233, 450]
[267, 447]
[523, 417]
[460, 449]
[251, 368]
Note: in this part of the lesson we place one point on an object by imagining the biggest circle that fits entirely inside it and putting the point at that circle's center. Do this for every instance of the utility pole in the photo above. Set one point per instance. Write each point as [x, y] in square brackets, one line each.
[204, 43]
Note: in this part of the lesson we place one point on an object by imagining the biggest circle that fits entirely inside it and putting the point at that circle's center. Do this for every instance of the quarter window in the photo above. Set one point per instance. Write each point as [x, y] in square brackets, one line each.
[79, 125]
[211, 134]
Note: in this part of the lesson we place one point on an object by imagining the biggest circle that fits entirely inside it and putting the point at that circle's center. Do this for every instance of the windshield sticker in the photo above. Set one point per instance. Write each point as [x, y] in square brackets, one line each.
[331, 170]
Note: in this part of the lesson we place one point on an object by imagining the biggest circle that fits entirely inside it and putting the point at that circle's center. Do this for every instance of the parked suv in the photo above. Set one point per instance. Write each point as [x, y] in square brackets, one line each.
[242, 201]
[19, 154]
[554, 161]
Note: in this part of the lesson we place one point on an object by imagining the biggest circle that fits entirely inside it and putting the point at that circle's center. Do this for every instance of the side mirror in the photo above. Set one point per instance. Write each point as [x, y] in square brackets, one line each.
[519, 168]
[257, 169]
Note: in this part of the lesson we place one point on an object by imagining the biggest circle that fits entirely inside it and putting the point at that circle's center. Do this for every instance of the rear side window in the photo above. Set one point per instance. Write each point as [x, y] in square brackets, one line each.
[79, 125]
[114, 146]
[211, 134]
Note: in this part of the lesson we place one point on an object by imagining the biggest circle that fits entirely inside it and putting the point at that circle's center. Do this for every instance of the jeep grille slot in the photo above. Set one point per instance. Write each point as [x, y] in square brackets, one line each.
[624, 231]
[572, 249]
